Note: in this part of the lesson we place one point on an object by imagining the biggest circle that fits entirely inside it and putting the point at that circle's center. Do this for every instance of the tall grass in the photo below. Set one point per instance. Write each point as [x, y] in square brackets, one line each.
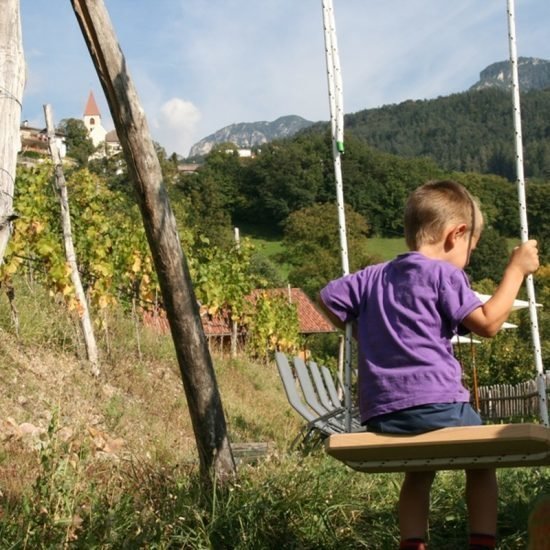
[64, 492]
[286, 501]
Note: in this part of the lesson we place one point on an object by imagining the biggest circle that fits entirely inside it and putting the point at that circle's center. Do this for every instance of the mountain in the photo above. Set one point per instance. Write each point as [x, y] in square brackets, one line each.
[251, 134]
[534, 74]
[469, 132]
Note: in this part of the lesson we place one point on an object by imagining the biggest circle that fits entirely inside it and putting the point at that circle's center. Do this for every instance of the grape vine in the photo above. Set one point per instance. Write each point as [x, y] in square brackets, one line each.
[115, 262]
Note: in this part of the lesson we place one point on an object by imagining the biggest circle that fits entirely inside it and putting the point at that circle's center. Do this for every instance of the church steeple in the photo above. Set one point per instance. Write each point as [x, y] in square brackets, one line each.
[91, 108]
[92, 121]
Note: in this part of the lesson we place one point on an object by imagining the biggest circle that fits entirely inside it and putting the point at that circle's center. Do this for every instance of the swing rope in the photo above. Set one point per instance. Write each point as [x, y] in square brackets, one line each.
[336, 103]
[535, 335]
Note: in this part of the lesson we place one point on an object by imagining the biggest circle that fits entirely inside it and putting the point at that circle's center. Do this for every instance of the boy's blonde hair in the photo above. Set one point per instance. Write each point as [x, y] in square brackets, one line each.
[433, 206]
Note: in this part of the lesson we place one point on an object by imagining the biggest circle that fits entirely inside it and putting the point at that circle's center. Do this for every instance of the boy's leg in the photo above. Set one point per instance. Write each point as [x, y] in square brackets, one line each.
[414, 505]
[481, 499]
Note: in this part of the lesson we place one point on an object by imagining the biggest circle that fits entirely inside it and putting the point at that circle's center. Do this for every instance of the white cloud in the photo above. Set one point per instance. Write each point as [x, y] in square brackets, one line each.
[177, 125]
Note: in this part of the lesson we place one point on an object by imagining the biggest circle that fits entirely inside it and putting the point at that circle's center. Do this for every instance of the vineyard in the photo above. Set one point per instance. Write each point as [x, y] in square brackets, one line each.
[115, 262]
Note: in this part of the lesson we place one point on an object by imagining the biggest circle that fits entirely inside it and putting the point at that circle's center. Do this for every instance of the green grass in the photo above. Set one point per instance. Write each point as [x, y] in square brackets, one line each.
[386, 248]
[66, 495]
[287, 501]
[268, 247]
[268, 243]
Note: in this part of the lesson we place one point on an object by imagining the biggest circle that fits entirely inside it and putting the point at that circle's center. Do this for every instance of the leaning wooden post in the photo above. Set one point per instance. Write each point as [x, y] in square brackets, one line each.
[194, 359]
[61, 186]
[12, 83]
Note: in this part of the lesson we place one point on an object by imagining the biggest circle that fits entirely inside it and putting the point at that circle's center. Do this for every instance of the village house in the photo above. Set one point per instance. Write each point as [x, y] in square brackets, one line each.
[35, 140]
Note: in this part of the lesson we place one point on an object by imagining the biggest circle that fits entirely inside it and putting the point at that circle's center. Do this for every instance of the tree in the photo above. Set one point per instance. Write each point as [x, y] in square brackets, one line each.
[79, 145]
[285, 177]
[538, 197]
[312, 244]
[490, 257]
[168, 164]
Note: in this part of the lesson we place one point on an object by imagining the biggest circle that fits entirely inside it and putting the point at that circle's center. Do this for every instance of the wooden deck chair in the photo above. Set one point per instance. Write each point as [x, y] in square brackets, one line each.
[335, 415]
[310, 392]
[329, 398]
[320, 386]
[505, 445]
[324, 424]
[331, 386]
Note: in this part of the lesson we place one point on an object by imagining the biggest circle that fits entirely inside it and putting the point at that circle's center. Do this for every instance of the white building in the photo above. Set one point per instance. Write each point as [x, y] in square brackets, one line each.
[92, 121]
[98, 134]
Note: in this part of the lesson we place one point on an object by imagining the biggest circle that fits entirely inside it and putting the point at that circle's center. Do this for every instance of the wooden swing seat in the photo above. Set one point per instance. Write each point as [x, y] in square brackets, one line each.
[500, 446]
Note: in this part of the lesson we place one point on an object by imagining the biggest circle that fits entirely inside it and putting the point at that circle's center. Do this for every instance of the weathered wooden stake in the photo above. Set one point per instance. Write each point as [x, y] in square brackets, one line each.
[61, 185]
[12, 83]
[194, 359]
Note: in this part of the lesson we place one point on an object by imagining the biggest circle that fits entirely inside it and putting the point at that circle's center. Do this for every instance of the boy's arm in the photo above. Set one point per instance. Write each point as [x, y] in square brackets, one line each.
[487, 319]
[333, 318]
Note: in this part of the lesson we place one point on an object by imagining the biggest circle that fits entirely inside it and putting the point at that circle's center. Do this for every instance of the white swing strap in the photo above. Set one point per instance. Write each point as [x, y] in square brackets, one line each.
[535, 335]
[336, 102]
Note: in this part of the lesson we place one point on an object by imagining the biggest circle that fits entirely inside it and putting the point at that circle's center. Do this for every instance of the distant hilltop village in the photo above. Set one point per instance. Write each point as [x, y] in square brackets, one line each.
[34, 141]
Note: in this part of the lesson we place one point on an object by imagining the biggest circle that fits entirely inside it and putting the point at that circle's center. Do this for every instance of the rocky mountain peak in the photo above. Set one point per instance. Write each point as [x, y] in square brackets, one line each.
[534, 74]
[251, 134]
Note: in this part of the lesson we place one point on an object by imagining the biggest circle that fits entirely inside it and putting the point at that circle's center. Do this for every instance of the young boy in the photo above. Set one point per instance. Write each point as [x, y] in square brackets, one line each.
[405, 313]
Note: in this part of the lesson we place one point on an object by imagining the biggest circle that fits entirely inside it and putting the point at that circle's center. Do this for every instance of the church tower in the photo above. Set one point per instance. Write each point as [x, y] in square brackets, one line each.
[92, 121]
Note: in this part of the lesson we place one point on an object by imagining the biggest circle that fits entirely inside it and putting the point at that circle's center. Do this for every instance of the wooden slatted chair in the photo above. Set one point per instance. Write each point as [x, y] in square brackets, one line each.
[324, 424]
[321, 387]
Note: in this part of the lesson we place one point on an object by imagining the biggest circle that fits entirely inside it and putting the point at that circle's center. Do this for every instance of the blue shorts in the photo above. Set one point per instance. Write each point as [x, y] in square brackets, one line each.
[425, 418]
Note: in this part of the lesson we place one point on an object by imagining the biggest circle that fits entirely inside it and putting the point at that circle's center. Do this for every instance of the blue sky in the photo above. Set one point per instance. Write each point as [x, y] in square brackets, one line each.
[200, 65]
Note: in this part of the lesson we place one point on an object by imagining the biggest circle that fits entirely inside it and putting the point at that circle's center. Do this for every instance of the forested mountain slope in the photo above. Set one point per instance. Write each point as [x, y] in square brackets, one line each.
[471, 131]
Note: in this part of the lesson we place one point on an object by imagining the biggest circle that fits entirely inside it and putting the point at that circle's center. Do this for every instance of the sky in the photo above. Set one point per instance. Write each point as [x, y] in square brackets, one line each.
[201, 65]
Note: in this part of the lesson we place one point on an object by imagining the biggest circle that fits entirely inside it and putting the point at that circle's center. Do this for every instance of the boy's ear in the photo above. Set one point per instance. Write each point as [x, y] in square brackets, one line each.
[460, 230]
[454, 233]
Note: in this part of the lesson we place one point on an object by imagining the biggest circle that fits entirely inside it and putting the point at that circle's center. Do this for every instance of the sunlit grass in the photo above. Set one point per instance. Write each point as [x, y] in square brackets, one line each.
[65, 492]
[386, 248]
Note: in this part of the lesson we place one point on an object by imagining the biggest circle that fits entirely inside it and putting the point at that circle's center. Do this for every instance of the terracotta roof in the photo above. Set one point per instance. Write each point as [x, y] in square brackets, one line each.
[218, 324]
[91, 108]
[310, 318]
[213, 325]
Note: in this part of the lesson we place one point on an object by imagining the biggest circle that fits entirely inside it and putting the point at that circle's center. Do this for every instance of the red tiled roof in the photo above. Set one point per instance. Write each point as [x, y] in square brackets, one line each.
[310, 318]
[91, 108]
[213, 325]
[218, 324]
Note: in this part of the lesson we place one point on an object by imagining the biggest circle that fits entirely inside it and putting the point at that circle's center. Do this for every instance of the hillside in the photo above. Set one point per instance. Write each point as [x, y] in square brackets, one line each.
[470, 132]
[110, 463]
[135, 410]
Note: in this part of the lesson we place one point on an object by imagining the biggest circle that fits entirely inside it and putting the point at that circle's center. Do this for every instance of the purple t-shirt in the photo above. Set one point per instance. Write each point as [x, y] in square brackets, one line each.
[407, 311]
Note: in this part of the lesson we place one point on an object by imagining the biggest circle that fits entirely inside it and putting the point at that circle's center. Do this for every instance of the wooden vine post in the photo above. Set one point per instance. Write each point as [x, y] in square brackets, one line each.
[12, 84]
[61, 186]
[197, 371]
